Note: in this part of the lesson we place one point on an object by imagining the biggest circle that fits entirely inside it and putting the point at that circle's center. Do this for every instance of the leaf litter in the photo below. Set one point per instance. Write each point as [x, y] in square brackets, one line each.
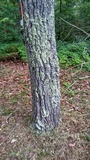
[18, 142]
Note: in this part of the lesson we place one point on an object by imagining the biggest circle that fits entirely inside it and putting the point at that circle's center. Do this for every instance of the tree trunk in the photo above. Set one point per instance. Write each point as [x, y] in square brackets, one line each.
[43, 62]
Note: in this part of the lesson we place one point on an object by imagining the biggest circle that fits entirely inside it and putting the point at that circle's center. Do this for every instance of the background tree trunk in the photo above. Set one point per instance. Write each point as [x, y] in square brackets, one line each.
[43, 62]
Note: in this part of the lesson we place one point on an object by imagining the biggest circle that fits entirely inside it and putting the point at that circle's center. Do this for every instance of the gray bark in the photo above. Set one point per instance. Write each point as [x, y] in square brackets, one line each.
[43, 62]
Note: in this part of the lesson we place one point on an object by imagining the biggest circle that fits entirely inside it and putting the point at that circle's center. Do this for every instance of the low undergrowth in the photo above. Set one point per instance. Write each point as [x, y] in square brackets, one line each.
[74, 54]
[70, 54]
[13, 51]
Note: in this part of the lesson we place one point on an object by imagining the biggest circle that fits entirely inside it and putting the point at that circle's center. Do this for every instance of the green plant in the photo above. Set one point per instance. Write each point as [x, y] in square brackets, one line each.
[22, 52]
[87, 137]
[13, 51]
[77, 13]
[66, 84]
[71, 54]
[9, 22]
[9, 51]
[7, 111]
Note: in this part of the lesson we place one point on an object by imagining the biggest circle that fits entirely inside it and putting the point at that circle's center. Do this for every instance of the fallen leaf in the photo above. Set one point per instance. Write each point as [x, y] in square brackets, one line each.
[13, 140]
[71, 145]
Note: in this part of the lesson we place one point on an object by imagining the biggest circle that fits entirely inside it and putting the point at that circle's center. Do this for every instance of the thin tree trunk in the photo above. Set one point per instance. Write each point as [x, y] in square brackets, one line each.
[43, 62]
[60, 21]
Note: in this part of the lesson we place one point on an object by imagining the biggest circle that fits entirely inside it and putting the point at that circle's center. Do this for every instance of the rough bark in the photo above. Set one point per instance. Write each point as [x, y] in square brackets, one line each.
[43, 62]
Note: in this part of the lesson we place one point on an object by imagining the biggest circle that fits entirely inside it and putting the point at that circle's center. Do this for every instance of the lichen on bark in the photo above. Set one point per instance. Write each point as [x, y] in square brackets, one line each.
[43, 62]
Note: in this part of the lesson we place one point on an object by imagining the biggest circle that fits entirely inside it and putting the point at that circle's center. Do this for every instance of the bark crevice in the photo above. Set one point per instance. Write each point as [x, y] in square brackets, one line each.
[43, 62]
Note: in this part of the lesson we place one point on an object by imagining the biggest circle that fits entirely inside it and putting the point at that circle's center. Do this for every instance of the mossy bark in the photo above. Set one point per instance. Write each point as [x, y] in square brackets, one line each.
[43, 62]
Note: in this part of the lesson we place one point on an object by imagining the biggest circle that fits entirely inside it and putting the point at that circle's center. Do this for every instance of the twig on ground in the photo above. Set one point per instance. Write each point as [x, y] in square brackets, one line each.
[8, 117]
[70, 86]
[84, 77]
[80, 78]
[80, 68]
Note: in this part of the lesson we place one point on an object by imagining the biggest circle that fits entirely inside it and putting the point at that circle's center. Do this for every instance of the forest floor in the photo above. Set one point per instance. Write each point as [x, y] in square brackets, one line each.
[70, 141]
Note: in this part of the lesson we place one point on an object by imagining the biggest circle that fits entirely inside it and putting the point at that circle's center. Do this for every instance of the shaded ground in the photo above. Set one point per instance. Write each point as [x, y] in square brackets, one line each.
[70, 141]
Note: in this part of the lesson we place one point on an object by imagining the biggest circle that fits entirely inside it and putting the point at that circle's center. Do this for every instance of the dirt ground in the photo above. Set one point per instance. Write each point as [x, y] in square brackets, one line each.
[70, 141]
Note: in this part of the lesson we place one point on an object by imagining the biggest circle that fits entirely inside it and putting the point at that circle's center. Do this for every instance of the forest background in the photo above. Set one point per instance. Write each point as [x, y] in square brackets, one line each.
[71, 140]
[72, 22]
